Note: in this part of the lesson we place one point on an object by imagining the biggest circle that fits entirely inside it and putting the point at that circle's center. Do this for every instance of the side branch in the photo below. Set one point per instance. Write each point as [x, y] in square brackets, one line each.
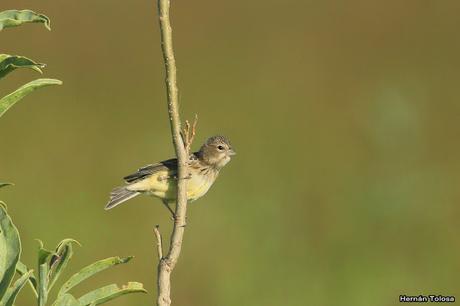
[188, 134]
[156, 230]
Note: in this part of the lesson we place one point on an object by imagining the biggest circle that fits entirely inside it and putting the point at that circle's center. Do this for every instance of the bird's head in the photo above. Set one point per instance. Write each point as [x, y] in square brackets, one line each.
[216, 151]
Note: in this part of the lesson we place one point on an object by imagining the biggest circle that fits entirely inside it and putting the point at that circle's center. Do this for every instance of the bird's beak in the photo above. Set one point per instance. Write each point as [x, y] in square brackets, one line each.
[231, 152]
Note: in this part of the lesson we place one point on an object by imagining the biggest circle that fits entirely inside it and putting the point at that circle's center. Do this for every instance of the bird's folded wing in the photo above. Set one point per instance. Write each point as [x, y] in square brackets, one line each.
[169, 165]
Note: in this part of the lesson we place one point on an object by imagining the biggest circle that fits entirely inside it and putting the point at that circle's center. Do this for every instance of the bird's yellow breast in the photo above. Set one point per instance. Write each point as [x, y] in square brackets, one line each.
[162, 184]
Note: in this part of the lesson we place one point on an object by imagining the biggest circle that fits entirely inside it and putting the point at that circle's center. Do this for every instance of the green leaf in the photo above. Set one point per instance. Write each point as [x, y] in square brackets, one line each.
[66, 300]
[12, 292]
[90, 270]
[9, 100]
[8, 63]
[13, 18]
[109, 292]
[10, 250]
[22, 269]
[59, 261]
[44, 255]
[5, 184]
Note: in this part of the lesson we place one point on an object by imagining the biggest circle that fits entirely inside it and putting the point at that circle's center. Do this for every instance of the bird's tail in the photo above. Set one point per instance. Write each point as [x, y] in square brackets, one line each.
[119, 195]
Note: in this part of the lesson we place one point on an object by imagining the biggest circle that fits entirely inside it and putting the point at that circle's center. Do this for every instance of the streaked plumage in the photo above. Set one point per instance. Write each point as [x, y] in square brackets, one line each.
[159, 179]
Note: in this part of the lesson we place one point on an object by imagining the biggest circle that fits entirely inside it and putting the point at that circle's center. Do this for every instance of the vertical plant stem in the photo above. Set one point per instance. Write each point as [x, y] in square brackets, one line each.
[43, 284]
[167, 263]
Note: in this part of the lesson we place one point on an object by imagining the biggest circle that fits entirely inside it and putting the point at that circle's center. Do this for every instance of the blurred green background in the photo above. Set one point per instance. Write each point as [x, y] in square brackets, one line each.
[345, 116]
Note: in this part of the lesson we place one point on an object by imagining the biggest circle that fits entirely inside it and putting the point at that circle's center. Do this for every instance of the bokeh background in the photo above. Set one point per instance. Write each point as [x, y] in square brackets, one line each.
[345, 116]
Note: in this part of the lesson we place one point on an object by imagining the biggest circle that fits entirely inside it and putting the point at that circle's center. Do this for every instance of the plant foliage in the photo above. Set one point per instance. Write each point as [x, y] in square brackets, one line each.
[9, 63]
[14, 18]
[51, 263]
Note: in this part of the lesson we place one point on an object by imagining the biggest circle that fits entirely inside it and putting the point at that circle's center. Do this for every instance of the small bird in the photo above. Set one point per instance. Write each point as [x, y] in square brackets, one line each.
[159, 179]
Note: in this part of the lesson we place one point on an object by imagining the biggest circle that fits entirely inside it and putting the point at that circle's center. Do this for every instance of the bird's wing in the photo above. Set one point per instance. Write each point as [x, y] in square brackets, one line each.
[169, 165]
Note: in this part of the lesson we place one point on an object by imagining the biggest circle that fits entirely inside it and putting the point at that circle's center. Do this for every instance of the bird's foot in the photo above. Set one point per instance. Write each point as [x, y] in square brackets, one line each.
[189, 176]
[179, 221]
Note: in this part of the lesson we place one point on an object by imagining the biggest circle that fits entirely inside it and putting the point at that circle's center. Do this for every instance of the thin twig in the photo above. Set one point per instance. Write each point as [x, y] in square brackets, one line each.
[156, 229]
[193, 132]
[167, 263]
[188, 134]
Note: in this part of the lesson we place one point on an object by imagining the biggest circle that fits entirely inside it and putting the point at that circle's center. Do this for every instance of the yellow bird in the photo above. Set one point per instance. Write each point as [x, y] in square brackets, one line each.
[159, 179]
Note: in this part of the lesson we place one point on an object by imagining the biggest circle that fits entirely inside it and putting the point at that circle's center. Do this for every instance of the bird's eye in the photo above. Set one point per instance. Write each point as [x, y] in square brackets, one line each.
[220, 148]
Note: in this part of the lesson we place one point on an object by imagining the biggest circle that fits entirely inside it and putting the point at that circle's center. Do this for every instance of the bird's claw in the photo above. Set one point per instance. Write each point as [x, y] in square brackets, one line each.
[189, 176]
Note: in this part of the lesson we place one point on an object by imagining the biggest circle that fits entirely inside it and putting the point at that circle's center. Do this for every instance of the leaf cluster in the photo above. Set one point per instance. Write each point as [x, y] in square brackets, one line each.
[9, 63]
[51, 264]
